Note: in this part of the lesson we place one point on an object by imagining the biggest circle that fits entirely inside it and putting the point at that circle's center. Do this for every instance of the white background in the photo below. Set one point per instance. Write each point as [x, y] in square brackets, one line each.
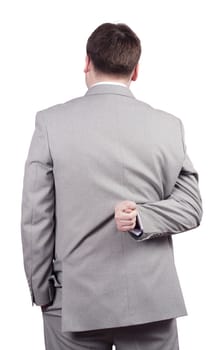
[42, 59]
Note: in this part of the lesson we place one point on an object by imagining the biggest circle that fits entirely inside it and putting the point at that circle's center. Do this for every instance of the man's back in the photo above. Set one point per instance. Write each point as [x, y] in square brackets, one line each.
[105, 147]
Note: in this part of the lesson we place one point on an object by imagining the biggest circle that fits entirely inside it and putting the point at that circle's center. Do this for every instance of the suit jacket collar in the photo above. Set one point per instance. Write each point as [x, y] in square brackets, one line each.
[109, 89]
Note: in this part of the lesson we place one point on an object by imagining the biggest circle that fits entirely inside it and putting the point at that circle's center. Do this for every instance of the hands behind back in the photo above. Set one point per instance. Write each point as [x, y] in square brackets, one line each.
[125, 215]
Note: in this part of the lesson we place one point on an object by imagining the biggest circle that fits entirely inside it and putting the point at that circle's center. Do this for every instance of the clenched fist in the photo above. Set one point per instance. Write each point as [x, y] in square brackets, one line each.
[125, 215]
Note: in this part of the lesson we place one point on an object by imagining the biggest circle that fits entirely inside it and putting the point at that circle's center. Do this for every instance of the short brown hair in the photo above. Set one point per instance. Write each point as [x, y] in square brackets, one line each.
[114, 49]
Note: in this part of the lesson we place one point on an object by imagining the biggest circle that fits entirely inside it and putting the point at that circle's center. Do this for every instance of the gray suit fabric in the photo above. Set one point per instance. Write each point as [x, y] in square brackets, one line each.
[85, 156]
[161, 335]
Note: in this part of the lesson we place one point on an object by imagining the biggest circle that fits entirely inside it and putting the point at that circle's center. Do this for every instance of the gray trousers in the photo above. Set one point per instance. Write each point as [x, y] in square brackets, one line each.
[161, 335]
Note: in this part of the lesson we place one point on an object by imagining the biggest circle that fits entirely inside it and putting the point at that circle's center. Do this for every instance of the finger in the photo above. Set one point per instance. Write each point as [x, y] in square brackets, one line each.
[130, 204]
[125, 223]
[124, 205]
[127, 228]
[127, 210]
[127, 216]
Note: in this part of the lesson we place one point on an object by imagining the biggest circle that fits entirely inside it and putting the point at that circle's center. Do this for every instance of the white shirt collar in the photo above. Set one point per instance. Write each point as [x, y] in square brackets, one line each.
[109, 83]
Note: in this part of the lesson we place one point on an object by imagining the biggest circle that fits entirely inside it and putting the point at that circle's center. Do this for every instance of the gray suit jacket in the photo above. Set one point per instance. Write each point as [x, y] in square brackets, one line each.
[86, 155]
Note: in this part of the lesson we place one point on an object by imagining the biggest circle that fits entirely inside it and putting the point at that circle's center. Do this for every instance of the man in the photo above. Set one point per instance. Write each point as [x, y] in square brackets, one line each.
[107, 183]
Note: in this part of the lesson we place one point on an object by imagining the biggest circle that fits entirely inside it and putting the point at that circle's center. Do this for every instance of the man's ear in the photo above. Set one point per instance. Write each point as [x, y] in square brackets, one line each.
[87, 64]
[135, 73]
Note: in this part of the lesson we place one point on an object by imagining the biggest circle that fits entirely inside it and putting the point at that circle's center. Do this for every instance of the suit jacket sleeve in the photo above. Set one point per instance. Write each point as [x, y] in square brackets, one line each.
[37, 215]
[181, 211]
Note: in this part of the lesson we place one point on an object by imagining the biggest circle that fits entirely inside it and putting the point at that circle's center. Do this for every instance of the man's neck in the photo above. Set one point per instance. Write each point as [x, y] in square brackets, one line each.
[94, 79]
[110, 83]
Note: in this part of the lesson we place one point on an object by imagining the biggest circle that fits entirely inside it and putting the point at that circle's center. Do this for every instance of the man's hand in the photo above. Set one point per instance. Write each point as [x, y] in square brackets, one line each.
[125, 215]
